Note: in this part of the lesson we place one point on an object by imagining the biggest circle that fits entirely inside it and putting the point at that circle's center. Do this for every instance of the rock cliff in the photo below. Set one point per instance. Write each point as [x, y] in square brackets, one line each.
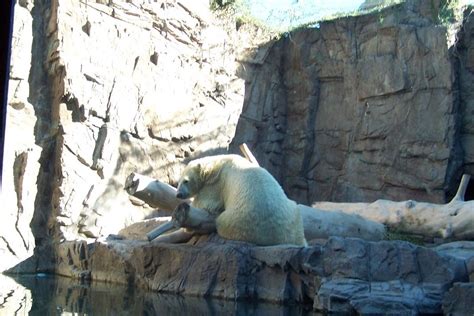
[365, 107]
[99, 89]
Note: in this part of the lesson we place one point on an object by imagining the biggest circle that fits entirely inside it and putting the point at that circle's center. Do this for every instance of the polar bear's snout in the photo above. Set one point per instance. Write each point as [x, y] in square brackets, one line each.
[182, 192]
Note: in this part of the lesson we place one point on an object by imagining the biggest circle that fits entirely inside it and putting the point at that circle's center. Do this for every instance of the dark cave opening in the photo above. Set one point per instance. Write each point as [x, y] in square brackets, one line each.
[469, 195]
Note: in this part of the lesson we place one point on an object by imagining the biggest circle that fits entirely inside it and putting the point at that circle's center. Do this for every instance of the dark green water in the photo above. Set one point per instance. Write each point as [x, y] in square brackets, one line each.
[46, 295]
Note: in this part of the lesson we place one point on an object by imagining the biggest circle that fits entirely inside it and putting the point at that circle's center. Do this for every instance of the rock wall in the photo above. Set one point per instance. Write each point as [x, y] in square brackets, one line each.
[99, 89]
[464, 52]
[21, 163]
[362, 108]
[355, 109]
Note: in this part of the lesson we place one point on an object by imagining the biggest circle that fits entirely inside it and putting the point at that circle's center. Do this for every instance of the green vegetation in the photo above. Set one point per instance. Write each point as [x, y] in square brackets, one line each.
[278, 21]
[221, 4]
[449, 12]
[414, 239]
[293, 18]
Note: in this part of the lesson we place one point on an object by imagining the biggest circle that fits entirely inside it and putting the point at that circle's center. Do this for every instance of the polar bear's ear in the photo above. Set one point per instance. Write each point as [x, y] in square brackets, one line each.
[209, 175]
[212, 177]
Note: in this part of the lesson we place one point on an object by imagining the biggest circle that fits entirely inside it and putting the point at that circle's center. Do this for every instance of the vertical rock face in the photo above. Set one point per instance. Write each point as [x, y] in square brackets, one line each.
[145, 85]
[21, 156]
[357, 109]
[101, 89]
[465, 53]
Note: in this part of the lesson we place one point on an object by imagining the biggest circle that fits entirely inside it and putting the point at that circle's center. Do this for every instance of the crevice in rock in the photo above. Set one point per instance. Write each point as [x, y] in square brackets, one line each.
[8, 245]
[79, 158]
[40, 98]
[72, 104]
[46, 93]
[99, 148]
[311, 127]
[107, 112]
[86, 28]
[154, 58]
[19, 167]
[459, 54]
[92, 79]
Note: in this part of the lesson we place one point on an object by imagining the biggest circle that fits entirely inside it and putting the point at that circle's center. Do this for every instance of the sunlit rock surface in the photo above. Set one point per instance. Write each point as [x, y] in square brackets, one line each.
[99, 89]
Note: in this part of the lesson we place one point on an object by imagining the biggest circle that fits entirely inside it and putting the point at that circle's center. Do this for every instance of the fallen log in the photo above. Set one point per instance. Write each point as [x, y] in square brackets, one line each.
[155, 193]
[451, 221]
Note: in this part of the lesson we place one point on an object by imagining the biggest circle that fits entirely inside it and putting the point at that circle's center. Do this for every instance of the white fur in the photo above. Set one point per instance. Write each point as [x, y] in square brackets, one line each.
[251, 204]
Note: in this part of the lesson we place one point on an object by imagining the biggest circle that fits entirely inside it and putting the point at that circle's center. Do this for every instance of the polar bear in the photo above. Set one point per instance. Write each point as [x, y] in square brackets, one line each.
[249, 203]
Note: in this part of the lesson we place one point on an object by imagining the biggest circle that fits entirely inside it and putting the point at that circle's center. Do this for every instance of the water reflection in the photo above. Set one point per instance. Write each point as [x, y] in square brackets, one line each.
[45, 295]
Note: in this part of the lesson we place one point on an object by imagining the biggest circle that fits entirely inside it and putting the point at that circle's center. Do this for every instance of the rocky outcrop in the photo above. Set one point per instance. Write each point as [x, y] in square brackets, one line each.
[361, 108]
[337, 275]
[99, 89]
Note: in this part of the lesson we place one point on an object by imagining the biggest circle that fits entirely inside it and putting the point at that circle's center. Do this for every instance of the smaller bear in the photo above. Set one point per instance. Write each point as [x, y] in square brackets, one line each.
[249, 203]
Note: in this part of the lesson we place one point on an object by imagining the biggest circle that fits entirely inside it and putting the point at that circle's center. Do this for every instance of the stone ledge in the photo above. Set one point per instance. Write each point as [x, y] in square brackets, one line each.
[369, 276]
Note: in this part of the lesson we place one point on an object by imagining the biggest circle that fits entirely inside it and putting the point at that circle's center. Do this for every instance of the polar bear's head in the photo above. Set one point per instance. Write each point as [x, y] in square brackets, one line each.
[190, 182]
[198, 173]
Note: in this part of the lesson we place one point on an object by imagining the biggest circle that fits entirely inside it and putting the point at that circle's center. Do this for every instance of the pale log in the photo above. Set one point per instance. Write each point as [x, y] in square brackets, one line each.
[459, 197]
[248, 154]
[160, 230]
[320, 223]
[179, 236]
[454, 220]
[155, 193]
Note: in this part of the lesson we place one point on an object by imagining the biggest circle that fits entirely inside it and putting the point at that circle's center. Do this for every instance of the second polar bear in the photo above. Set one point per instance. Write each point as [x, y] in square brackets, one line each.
[249, 203]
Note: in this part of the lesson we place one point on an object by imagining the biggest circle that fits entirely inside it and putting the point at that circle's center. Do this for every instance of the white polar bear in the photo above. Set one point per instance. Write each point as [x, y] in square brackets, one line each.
[249, 203]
